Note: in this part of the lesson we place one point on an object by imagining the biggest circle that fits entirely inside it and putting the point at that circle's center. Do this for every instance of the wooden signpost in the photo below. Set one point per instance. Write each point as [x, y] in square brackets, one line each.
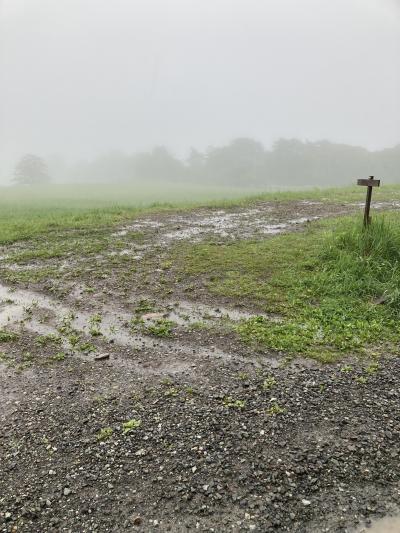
[371, 182]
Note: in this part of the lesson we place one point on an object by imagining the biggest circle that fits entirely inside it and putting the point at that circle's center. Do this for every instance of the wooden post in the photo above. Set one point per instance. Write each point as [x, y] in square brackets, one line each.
[368, 183]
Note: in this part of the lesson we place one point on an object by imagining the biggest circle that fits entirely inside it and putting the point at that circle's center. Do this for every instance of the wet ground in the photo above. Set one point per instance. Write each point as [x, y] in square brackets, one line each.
[386, 525]
[125, 407]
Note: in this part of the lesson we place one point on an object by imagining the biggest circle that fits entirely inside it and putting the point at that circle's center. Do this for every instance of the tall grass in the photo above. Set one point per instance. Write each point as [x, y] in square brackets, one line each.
[364, 262]
[335, 286]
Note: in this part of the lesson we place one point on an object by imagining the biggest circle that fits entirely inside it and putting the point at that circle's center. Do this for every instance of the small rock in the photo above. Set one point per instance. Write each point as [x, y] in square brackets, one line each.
[136, 520]
[306, 502]
[67, 491]
[102, 357]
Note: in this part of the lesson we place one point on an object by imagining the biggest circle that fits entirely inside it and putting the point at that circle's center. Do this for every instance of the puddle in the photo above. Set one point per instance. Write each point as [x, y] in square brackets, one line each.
[379, 205]
[20, 305]
[220, 223]
[185, 313]
[228, 224]
[384, 525]
[160, 355]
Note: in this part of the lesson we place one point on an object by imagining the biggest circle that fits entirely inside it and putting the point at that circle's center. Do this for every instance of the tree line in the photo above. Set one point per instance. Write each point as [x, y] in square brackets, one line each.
[242, 162]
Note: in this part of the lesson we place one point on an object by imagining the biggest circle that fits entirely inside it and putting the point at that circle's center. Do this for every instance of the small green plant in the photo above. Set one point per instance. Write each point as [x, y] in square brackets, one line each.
[372, 368]
[104, 433]
[88, 290]
[236, 404]
[87, 347]
[136, 321]
[95, 331]
[171, 391]
[275, 409]
[346, 369]
[144, 306]
[243, 376]
[60, 356]
[95, 319]
[73, 339]
[166, 265]
[4, 358]
[362, 379]
[51, 338]
[7, 336]
[130, 425]
[268, 383]
[161, 328]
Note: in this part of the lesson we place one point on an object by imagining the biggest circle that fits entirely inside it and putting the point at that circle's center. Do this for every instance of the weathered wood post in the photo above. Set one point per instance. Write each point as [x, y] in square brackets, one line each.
[371, 182]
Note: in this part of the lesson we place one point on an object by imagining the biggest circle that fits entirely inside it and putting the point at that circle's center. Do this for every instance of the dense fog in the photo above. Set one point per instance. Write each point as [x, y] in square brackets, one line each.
[222, 91]
[289, 162]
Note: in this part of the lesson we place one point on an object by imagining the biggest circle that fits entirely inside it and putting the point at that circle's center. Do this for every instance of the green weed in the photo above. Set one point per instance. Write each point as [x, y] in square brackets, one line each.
[275, 409]
[130, 425]
[7, 336]
[268, 383]
[236, 404]
[104, 434]
[161, 328]
[45, 340]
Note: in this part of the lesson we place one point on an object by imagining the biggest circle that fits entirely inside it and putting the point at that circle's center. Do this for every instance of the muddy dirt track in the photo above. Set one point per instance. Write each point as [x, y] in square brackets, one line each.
[110, 427]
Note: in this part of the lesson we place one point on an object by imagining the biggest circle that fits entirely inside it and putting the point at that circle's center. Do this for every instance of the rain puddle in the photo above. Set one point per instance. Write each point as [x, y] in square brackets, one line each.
[20, 306]
[228, 224]
[220, 223]
[185, 313]
[384, 525]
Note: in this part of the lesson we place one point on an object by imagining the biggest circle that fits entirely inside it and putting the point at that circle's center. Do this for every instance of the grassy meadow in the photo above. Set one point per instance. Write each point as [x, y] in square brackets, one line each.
[28, 211]
[330, 290]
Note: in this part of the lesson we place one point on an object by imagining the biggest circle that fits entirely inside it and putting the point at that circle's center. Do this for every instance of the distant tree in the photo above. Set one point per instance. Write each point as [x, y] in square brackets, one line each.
[31, 170]
[159, 164]
[196, 164]
[239, 163]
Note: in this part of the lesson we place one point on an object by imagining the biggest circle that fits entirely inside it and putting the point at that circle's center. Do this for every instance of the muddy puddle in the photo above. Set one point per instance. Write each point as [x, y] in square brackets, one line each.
[228, 225]
[384, 525]
[220, 223]
[23, 308]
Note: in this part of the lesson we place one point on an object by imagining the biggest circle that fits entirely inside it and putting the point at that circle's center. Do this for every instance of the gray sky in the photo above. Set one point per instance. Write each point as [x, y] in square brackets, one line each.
[79, 77]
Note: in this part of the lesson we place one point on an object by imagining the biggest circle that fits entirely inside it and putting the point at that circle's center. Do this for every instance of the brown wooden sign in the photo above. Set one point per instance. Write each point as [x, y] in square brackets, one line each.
[371, 182]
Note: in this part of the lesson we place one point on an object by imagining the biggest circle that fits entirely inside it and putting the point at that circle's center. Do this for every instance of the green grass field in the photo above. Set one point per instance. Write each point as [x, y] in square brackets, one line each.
[333, 289]
[29, 211]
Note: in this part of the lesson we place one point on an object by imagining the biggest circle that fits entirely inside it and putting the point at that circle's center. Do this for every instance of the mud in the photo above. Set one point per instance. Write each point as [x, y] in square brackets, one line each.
[231, 438]
[385, 525]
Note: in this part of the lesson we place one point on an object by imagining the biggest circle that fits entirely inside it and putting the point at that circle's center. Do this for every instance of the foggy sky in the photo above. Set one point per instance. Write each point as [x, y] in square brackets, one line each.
[80, 77]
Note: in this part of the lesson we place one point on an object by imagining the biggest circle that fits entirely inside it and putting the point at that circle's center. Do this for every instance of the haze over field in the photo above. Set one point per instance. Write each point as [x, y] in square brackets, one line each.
[89, 85]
